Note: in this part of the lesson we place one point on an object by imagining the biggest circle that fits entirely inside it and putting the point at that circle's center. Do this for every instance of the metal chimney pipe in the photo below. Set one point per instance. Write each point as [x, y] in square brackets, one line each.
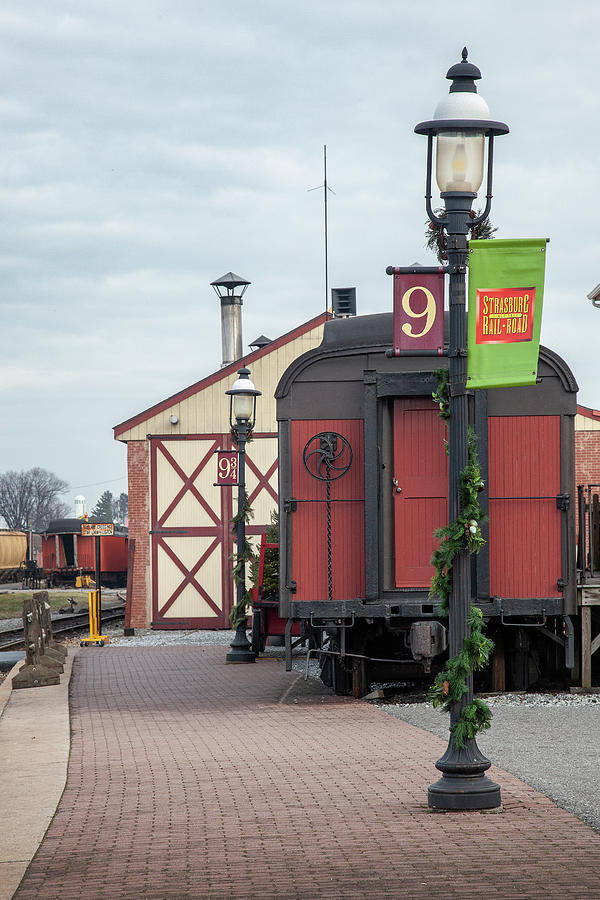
[231, 329]
[228, 290]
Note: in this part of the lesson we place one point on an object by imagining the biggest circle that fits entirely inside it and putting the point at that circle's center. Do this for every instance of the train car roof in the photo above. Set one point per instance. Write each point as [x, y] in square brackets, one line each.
[373, 333]
[73, 526]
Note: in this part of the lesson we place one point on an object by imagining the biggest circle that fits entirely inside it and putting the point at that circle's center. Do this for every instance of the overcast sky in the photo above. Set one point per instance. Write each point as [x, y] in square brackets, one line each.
[149, 147]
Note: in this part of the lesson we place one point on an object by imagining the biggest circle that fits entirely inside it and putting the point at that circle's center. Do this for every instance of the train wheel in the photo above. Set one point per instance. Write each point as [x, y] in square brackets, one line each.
[348, 674]
[336, 675]
[519, 650]
[360, 679]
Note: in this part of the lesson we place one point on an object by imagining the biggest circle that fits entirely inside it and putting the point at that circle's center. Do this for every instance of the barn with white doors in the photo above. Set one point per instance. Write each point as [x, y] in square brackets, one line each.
[179, 523]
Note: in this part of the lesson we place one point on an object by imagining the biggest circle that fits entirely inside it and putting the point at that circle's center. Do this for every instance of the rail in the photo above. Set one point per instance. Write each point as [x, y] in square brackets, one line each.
[14, 638]
[588, 539]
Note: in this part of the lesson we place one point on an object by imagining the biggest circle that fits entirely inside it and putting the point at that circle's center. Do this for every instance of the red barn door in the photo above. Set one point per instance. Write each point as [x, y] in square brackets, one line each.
[525, 524]
[420, 488]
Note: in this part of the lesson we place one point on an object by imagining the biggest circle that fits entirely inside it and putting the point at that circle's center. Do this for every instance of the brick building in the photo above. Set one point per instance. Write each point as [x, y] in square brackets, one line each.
[587, 454]
[587, 446]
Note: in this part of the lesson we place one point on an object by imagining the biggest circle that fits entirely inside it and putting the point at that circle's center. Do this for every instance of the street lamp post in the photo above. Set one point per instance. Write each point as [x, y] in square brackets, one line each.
[242, 414]
[461, 126]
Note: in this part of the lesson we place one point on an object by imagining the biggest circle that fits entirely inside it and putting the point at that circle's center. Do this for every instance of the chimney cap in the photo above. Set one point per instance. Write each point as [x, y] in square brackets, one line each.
[260, 342]
[230, 281]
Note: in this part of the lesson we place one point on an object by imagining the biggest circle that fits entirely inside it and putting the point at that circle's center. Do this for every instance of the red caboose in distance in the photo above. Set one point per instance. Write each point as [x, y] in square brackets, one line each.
[363, 475]
[67, 553]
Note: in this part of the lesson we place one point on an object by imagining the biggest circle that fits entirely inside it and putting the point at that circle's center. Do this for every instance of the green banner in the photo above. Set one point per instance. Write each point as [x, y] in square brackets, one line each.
[506, 292]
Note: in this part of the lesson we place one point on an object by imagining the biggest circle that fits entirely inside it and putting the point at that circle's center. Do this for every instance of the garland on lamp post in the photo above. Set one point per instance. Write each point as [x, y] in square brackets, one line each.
[442, 395]
[239, 613]
[450, 685]
[235, 438]
[436, 239]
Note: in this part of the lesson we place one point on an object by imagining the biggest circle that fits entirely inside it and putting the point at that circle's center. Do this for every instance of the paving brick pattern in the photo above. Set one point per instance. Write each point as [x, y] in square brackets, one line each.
[189, 778]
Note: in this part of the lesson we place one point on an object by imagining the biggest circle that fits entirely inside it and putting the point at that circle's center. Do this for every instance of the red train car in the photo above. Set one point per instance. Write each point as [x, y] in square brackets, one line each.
[357, 534]
[66, 553]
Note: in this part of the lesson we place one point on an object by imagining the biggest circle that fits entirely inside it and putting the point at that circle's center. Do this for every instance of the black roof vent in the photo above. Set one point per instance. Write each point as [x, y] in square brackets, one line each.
[260, 342]
[343, 302]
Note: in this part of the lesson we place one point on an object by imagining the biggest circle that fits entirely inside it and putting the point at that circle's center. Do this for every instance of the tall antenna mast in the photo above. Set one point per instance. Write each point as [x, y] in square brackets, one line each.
[326, 188]
[325, 205]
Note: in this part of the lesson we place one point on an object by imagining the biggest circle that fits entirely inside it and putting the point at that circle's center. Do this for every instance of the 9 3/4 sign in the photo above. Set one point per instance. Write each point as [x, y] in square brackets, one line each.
[227, 467]
[418, 311]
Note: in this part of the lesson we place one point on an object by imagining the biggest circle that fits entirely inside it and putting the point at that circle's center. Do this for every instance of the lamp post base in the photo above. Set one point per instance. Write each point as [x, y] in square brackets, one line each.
[241, 649]
[463, 784]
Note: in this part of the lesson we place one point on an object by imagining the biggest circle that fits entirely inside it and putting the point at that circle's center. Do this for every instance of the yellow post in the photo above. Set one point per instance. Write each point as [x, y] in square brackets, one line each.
[94, 638]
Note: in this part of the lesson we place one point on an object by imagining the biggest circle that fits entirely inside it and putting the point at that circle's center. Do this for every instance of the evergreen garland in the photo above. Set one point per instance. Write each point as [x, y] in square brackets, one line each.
[442, 395]
[239, 612]
[435, 235]
[245, 513]
[240, 560]
[465, 532]
[234, 436]
[450, 685]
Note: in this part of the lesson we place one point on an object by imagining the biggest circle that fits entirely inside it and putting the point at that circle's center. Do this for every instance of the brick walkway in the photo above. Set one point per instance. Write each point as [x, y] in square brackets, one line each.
[189, 778]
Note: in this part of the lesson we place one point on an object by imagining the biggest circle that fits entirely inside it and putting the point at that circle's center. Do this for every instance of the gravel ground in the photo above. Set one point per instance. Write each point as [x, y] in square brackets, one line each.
[145, 637]
[9, 624]
[550, 741]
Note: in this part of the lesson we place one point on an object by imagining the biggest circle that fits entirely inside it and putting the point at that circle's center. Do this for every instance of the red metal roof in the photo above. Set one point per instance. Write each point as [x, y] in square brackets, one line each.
[588, 413]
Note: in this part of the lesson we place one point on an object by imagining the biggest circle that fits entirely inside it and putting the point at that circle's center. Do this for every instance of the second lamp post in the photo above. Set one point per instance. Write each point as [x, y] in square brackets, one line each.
[242, 414]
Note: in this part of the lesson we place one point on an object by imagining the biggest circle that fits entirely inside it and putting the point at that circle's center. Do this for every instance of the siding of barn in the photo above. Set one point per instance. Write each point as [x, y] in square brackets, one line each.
[178, 520]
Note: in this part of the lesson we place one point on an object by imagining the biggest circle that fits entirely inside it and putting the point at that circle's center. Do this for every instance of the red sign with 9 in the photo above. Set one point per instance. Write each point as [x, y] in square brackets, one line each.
[227, 467]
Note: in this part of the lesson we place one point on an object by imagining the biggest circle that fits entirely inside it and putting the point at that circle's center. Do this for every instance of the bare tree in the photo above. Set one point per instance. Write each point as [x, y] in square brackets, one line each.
[31, 499]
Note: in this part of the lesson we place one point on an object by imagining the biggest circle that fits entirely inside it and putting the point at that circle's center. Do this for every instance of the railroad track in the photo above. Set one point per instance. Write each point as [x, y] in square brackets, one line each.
[13, 638]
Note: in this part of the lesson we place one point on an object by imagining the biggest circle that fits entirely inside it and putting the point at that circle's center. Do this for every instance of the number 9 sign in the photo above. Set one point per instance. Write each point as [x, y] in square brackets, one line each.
[227, 467]
[418, 311]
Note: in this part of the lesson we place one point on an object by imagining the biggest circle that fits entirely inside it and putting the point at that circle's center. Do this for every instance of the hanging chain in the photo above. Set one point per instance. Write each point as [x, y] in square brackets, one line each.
[329, 566]
[327, 456]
